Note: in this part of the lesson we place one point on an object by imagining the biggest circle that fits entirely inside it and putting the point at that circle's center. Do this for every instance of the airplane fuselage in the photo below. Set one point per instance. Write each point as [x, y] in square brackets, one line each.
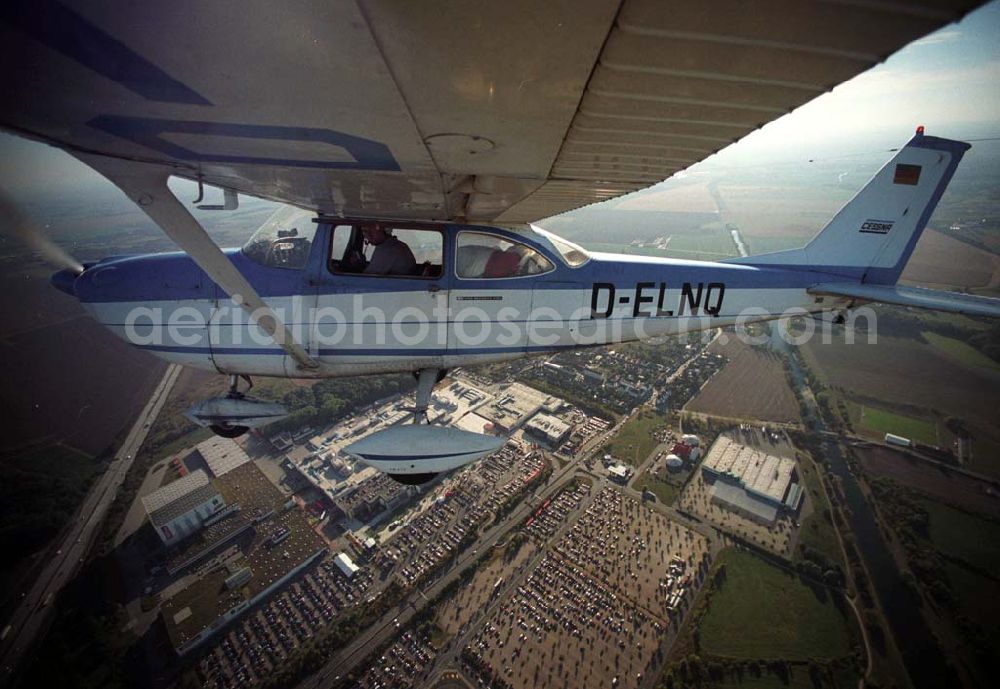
[355, 324]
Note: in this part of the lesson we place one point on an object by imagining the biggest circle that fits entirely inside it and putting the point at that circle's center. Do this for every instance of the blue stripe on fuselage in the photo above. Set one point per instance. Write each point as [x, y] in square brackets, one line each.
[175, 277]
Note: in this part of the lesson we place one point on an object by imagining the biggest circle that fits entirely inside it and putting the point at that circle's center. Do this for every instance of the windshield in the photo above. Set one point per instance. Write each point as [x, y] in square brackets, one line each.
[572, 254]
[284, 240]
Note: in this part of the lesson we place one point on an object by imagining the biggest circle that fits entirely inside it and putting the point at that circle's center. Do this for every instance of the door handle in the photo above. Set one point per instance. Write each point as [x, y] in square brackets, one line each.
[434, 288]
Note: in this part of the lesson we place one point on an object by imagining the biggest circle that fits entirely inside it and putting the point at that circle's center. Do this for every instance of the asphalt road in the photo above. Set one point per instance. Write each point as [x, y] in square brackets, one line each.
[31, 618]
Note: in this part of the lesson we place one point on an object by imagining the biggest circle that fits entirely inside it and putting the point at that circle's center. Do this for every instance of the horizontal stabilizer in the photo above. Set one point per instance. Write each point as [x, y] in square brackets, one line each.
[921, 298]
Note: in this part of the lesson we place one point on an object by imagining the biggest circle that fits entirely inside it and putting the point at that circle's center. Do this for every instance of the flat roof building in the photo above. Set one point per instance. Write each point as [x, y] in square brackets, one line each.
[515, 405]
[548, 428]
[766, 476]
[222, 455]
[178, 509]
[751, 482]
[738, 500]
[346, 564]
[619, 473]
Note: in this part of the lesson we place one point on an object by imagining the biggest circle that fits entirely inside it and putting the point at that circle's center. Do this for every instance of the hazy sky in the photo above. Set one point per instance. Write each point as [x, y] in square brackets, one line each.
[948, 81]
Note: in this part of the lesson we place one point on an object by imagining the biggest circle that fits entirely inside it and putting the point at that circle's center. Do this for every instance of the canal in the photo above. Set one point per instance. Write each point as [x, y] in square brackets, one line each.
[922, 655]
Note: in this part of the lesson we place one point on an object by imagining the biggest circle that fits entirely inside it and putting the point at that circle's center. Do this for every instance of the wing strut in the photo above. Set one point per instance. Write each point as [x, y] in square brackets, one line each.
[146, 185]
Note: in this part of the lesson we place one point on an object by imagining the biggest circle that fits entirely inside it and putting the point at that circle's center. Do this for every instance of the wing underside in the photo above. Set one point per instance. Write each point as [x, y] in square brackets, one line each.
[918, 297]
[443, 109]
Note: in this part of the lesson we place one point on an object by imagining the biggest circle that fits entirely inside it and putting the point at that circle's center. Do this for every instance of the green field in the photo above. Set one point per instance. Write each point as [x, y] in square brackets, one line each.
[961, 351]
[760, 611]
[817, 530]
[977, 598]
[634, 441]
[665, 492]
[882, 421]
[964, 536]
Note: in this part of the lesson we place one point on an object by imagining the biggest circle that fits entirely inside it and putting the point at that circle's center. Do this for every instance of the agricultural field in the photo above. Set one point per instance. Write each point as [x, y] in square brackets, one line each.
[964, 537]
[882, 421]
[760, 611]
[904, 372]
[943, 262]
[961, 351]
[636, 439]
[976, 595]
[913, 378]
[799, 676]
[71, 388]
[711, 243]
[936, 481]
[751, 386]
[40, 492]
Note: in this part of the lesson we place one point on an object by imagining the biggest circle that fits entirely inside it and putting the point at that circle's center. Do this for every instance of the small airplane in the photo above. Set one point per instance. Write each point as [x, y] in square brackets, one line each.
[460, 295]
[424, 153]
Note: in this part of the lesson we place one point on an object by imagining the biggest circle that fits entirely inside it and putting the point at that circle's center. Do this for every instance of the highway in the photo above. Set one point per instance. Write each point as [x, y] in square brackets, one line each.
[31, 618]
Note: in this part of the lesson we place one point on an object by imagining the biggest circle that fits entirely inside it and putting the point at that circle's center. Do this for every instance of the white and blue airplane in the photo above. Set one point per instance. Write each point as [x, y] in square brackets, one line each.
[474, 294]
[420, 155]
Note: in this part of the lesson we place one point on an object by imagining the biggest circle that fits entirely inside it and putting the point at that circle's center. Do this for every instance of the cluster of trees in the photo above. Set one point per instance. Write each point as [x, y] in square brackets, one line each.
[39, 493]
[900, 322]
[578, 393]
[910, 520]
[817, 566]
[333, 398]
[695, 671]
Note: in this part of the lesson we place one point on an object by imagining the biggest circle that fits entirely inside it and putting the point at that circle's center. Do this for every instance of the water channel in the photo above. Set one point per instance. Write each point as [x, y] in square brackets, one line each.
[921, 652]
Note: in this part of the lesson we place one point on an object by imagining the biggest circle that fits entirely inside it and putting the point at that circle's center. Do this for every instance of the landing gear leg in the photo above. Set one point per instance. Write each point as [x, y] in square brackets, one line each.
[229, 430]
[427, 378]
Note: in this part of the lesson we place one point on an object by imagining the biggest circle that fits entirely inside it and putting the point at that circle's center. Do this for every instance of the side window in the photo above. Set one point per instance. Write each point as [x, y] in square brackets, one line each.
[284, 240]
[384, 249]
[489, 256]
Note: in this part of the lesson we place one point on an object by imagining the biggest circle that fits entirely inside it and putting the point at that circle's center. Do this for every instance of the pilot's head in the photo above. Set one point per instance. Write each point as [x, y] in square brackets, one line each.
[373, 233]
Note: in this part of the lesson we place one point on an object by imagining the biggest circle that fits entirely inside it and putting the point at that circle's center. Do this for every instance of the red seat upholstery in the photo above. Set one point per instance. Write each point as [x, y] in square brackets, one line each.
[501, 264]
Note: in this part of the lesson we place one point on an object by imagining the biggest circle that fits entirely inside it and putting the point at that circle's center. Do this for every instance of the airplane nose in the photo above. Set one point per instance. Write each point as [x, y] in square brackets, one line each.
[64, 280]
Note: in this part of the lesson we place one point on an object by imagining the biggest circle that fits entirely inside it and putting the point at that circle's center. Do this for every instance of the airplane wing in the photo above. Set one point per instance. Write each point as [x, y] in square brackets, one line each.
[438, 109]
[918, 297]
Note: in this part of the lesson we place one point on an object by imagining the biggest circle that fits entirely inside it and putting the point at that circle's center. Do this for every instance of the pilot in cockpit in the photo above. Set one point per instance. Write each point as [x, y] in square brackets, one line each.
[391, 256]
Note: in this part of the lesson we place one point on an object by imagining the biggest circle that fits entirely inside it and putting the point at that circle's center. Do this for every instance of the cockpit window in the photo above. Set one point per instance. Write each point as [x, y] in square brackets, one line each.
[386, 249]
[568, 251]
[489, 256]
[284, 240]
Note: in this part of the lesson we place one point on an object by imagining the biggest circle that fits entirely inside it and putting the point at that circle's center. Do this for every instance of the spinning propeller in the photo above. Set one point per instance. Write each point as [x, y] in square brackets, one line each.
[15, 224]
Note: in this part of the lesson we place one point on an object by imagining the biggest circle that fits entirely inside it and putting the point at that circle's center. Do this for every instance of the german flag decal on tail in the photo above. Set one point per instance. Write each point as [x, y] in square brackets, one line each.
[906, 174]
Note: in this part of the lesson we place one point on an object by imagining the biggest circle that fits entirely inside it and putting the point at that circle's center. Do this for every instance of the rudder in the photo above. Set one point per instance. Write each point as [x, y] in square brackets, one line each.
[872, 237]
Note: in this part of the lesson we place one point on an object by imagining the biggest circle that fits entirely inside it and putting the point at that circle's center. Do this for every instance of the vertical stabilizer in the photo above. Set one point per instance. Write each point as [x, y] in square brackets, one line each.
[873, 236]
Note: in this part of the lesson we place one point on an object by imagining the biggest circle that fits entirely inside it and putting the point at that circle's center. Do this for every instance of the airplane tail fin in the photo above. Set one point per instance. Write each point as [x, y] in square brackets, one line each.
[872, 237]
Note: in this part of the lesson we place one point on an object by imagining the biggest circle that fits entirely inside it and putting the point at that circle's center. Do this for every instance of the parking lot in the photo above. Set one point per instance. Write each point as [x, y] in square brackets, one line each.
[404, 664]
[467, 502]
[267, 635]
[595, 609]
